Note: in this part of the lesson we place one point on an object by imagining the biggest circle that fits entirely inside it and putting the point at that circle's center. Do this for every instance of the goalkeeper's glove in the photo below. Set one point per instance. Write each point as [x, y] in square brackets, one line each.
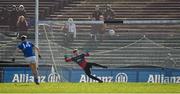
[39, 56]
[13, 59]
[87, 51]
[65, 56]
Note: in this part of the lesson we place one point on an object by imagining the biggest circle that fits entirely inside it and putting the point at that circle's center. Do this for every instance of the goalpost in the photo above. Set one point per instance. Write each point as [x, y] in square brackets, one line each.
[37, 29]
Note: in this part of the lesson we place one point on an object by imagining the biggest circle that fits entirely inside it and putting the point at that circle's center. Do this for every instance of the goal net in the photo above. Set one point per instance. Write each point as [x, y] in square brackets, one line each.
[111, 44]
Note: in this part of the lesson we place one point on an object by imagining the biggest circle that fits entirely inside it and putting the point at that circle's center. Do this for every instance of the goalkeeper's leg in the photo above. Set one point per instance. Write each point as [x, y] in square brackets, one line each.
[97, 65]
[88, 73]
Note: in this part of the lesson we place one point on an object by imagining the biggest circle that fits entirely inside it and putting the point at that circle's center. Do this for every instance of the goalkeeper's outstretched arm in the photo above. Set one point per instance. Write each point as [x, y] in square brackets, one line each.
[67, 59]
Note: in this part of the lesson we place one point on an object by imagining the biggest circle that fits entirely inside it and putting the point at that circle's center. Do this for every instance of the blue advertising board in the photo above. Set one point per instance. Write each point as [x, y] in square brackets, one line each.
[51, 74]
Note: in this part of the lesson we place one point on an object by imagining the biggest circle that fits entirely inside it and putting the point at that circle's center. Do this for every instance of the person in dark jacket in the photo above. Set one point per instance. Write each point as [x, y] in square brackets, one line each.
[96, 13]
[22, 11]
[109, 14]
[4, 16]
[13, 17]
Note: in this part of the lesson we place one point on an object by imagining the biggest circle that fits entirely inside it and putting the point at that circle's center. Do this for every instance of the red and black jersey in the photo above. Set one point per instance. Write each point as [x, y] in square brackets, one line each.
[80, 60]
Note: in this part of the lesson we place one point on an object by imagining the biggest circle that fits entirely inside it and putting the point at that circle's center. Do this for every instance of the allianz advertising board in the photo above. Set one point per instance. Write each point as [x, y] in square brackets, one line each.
[51, 74]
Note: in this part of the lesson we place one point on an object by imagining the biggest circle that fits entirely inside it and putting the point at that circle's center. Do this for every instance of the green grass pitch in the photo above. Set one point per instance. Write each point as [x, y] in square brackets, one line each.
[66, 87]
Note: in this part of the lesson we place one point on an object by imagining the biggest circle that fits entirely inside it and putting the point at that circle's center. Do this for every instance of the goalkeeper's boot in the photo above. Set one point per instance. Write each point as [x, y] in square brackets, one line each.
[105, 67]
[36, 81]
[100, 81]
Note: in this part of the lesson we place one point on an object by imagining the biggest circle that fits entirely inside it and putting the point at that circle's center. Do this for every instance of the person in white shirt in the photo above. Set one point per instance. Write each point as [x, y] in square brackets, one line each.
[70, 29]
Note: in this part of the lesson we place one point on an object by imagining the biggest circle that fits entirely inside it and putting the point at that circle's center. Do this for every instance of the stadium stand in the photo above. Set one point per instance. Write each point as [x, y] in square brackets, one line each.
[134, 44]
[130, 9]
[160, 36]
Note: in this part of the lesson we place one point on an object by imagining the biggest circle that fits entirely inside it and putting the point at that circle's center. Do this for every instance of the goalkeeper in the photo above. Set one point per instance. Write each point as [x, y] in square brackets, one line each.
[27, 48]
[83, 63]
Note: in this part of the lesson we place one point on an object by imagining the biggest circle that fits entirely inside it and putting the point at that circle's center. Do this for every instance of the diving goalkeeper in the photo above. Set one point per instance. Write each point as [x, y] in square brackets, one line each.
[83, 63]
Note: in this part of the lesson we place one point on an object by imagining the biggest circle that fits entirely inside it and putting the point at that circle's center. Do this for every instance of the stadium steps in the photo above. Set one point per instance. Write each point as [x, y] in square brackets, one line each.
[123, 9]
[131, 52]
[124, 27]
[170, 40]
[142, 53]
[46, 7]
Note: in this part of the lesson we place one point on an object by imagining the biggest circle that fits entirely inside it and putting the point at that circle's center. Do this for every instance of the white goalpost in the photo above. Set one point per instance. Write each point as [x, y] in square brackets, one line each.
[36, 28]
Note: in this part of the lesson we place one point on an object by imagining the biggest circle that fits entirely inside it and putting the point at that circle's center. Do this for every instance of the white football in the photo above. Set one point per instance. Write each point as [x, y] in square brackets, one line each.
[111, 32]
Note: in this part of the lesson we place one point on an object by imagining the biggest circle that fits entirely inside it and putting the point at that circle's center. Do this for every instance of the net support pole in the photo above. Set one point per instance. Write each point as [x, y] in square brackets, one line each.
[37, 29]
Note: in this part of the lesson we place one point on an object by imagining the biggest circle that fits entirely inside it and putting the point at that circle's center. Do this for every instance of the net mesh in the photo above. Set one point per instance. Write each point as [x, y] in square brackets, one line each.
[114, 47]
[112, 44]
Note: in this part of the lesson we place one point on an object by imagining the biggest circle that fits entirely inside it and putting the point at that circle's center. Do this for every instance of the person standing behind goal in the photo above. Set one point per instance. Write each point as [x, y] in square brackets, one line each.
[70, 29]
[27, 48]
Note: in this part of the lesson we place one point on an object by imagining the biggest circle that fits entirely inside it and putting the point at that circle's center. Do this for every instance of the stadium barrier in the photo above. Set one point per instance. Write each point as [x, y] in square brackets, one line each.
[48, 74]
